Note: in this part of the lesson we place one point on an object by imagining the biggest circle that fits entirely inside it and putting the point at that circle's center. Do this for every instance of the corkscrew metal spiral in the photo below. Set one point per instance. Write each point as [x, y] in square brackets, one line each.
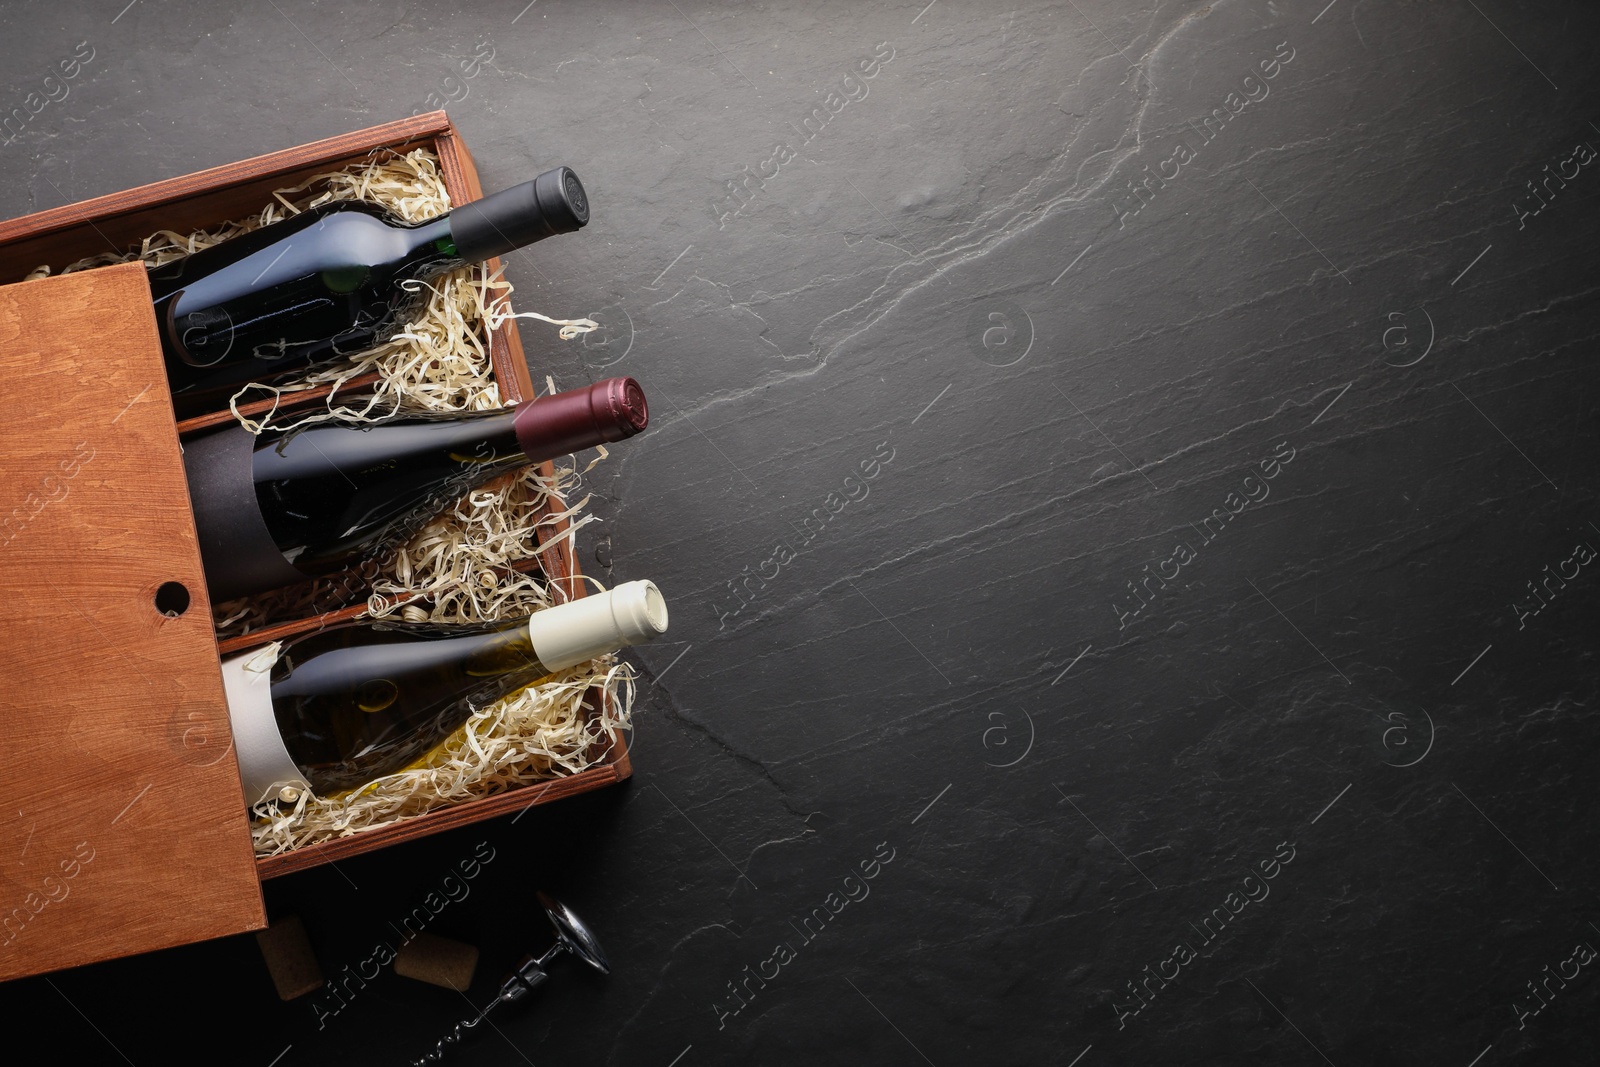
[572, 935]
[454, 1037]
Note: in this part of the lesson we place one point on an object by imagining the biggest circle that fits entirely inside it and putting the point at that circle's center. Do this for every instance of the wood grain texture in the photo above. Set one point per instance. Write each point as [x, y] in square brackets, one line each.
[125, 830]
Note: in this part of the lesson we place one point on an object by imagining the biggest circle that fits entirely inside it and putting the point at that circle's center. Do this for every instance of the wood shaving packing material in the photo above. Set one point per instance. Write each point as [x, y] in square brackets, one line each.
[536, 734]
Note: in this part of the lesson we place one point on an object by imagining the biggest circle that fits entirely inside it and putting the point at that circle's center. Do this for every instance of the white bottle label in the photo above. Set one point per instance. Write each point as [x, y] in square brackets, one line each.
[264, 763]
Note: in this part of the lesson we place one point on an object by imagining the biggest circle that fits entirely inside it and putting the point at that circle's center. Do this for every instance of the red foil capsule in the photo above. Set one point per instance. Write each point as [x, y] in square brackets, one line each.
[609, 410]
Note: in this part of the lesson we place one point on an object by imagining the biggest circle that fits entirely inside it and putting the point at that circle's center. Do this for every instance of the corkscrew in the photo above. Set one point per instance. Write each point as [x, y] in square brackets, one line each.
[572, 935]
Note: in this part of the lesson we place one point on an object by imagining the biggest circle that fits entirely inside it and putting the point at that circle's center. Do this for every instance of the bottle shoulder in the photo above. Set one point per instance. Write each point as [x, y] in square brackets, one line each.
[342, 234]
[394, 648]
[470, 439]
[355, 633]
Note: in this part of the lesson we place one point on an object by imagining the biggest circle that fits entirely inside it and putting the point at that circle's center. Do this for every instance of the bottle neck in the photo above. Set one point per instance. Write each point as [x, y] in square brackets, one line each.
[537, 430]
[554, 202]
[432, 248]
[332, 495]
[374, 668]
[473, 440]
[568, 634]
[507, 655]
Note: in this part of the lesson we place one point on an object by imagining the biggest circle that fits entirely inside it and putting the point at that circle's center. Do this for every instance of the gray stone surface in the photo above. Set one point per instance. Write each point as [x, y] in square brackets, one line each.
[1029, 658]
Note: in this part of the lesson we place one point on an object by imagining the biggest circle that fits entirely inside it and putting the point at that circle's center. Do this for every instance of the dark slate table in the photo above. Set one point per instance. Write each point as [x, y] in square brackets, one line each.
[1124, 481]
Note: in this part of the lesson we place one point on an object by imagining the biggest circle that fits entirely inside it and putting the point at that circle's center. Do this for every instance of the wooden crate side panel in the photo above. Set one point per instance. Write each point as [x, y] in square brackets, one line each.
[119, 220]
[437, 821]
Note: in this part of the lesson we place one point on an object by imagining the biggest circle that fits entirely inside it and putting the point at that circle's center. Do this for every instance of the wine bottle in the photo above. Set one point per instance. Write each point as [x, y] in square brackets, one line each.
[277, 509]
[342, 706]
[330, 282]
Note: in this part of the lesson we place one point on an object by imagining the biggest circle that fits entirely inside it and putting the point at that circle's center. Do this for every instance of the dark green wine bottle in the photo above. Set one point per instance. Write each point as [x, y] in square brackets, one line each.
[339, 707]
[330, 282]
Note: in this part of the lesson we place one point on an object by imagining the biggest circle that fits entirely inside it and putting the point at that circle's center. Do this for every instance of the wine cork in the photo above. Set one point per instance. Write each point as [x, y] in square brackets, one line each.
[289, 958]
[437, 960]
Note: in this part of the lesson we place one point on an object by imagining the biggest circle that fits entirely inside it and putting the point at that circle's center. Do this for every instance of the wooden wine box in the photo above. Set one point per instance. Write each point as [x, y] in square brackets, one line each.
[125, 825]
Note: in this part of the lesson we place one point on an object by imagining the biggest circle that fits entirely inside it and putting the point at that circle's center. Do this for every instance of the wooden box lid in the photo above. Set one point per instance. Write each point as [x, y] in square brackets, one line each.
[125, 827]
